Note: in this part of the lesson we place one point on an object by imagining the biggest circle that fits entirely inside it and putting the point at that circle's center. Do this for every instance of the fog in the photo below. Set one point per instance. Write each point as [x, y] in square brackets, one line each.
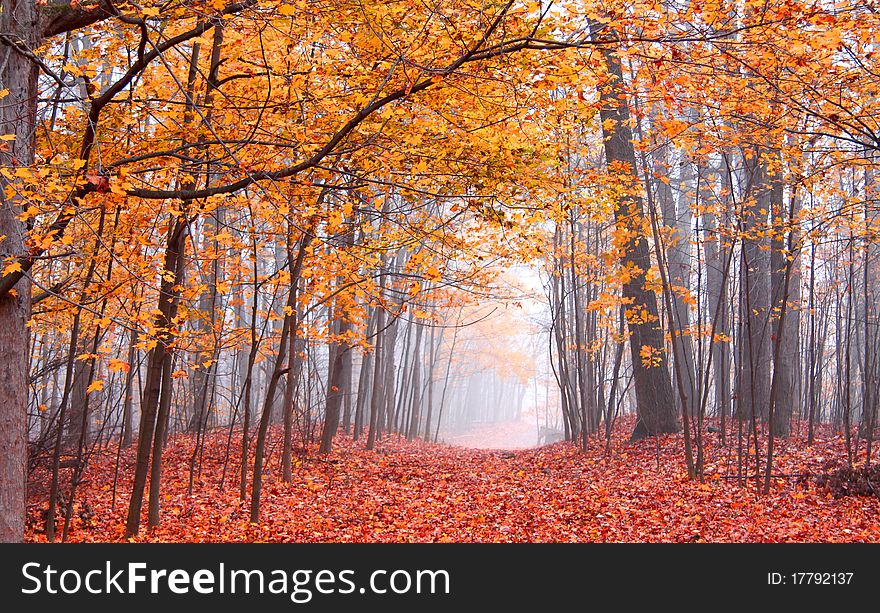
[500, 392]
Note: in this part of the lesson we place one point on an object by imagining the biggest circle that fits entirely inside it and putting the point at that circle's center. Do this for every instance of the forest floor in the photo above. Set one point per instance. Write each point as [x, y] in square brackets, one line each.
[419, 492]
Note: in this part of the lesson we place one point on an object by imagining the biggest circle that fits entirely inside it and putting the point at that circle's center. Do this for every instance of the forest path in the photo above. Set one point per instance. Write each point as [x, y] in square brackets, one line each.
[508, 435]
[420, 492]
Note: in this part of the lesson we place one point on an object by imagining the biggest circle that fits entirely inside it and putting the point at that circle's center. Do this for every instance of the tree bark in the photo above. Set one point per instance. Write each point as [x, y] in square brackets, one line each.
[788, 295]
[377, 390]
[654, 399]
[17, 116]
[153, 387]
[753, 380]
[335, 390]
[288, 327]
[415, 407]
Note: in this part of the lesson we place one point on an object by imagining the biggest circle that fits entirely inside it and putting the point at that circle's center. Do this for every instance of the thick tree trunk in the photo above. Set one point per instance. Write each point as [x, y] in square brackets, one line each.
[654, 398]
[17, 116]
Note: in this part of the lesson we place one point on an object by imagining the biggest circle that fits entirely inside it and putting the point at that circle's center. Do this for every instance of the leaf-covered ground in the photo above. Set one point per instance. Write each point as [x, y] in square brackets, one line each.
[408, 492]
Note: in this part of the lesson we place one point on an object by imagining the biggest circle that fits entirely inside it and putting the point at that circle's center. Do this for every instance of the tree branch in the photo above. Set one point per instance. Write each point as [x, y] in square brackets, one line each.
[59, 17]
[59, 225]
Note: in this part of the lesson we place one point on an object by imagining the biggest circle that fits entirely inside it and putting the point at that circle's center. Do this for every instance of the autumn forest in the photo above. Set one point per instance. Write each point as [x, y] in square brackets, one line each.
[439, 270]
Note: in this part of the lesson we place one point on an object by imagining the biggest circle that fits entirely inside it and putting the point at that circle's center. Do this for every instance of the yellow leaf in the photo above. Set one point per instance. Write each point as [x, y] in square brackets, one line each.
[286, 10]
[11, 267]
[334, 220]
[7, 136]
[31, 211]
[115, 365]
[96, 386]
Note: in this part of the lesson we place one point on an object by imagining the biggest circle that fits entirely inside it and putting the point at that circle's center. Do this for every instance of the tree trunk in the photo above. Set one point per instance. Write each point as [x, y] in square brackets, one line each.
[787, 366]
[753, 380]
[415, 408]
[17, 116]
[152, 390]
[679, 217]
[435, 350]
[335, 390]
[78, 399]
[289, 326]
[377, 389]
[365, 378]
[654, 400]
[128, 401]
